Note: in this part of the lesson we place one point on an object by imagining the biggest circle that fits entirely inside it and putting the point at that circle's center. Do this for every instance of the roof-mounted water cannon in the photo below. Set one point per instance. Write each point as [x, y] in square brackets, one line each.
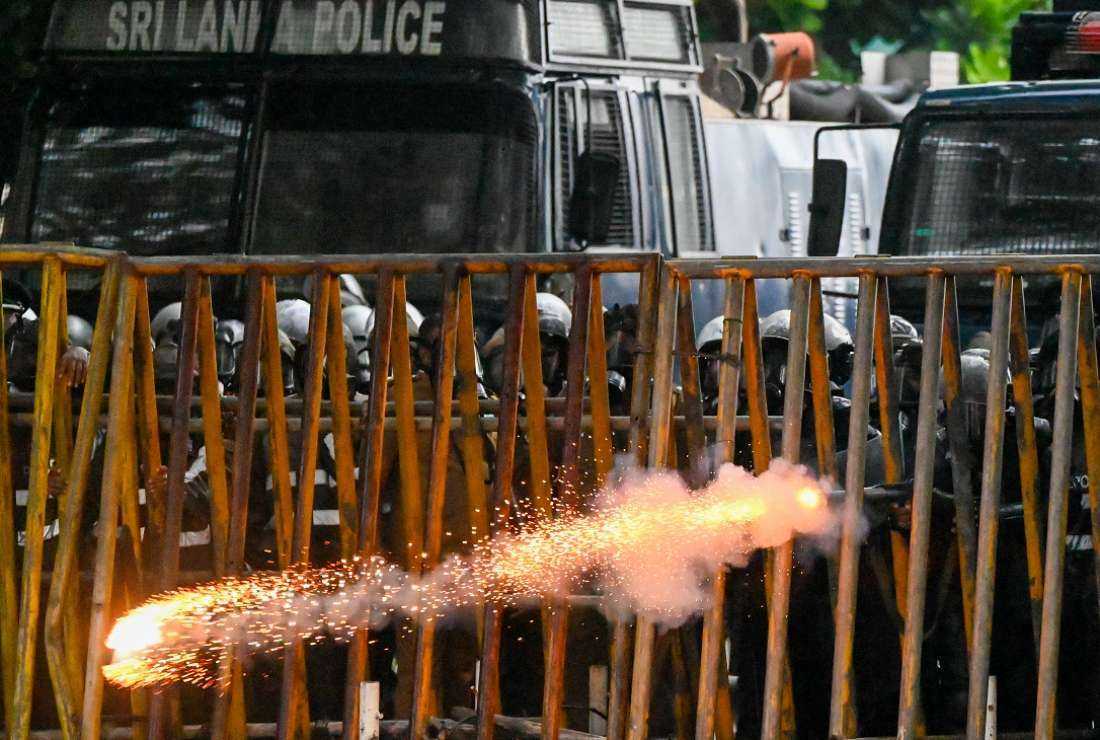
[740, 75]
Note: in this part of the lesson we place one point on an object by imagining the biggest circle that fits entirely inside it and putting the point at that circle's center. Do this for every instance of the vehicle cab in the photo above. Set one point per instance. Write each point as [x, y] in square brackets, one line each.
[191, 127]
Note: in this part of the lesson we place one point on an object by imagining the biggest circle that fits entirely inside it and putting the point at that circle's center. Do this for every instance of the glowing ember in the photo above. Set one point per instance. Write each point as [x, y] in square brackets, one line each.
[646, 547]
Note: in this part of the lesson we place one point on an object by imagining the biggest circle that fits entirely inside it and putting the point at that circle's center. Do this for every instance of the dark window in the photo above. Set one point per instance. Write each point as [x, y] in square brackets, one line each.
[608, 135]
[998, 186]
[151, 172]
[380, 169]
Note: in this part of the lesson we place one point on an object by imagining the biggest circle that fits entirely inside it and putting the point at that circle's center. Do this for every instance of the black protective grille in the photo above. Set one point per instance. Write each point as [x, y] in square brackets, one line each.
[1007, 186]
[152, 173]
[607, 135]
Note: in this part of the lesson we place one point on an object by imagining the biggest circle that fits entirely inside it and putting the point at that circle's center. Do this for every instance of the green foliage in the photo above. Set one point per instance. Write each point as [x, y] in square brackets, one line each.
[981, 32]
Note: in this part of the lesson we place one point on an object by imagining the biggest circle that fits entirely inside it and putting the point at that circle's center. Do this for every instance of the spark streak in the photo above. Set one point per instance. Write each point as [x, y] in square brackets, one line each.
[645, 547]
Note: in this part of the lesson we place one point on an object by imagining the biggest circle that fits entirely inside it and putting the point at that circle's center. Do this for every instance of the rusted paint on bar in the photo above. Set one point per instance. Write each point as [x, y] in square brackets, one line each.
[534, 407]
[1061, 456]
[489, 680]
[294, 706]
[370, 481]
[472, 439]
[691, 401]
[842, 710]
[913, 637]
[989, 514]
[340, 397]
[713, 676]
[597, 388]
[1019, 360]
[179, 445]
[1090, 411]
[569, 493]
[119, 432]
[962, 458]
[63, 397]
[213, 438]
[30, 591]
[659, 444]
[622, 635]
[408, 455]
[890, 425]
[277, 441]
[779, 601]
[148, 421]
[229, 713]
[437, 492]
[9, 599]
[62, 656]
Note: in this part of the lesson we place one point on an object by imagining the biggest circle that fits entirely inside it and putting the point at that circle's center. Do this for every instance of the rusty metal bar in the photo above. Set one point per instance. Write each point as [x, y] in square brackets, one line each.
[119, 433]
[148, 421]
[159, 720]
[229, 710]
[962, 458]
[618, 699]
[553, 691]
[370, 481]
[294, 706]
[913, 637]
[63, 397]
[890, 424]
[31, 593]
[408, 454]
[1061, 455]
[842, 700]
[659, 442]
[277, 442]
[9, 596]
[896, 266]
[597, 387]
[472, 439]
[1019, 361]
[712, 673]
[488, 690]
[1090, 411]
[989, 514]
[62, 657]
[691, 401]
[437, 492]
[534, 407]
[212, 429]
[780, 589]
[340, 397]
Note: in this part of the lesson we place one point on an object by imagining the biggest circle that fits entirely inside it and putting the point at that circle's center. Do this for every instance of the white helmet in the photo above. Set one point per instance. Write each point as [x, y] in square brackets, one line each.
[167, 321]
[413, 318]
[711, 332]
[359, 320]
[555, 317]
[293, 317]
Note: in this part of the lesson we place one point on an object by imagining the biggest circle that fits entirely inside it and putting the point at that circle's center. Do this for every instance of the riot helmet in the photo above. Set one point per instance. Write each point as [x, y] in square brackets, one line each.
[908, 357]
[165, 329]
[775, 333]
[902, 331]
[228, 343]
[709, 344]
[359, 321]
[79, 331]
[555, 321]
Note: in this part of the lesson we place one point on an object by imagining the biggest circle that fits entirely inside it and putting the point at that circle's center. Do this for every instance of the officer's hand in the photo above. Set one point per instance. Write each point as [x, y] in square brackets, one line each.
[158, 483]
[73, 369]
[901, 516]
[55, 482]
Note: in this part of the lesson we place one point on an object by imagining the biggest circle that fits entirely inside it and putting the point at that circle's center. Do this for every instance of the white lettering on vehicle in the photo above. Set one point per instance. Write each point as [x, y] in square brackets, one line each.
[406, 27]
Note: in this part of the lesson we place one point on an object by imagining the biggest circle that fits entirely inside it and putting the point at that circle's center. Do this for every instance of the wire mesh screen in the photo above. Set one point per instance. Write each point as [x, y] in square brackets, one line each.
[151, 172]
[995, 187]
[686, 174]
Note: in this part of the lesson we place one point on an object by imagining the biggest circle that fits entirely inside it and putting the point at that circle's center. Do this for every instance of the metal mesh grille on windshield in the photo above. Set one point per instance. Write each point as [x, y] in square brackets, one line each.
[1014, 185]
[148, 173]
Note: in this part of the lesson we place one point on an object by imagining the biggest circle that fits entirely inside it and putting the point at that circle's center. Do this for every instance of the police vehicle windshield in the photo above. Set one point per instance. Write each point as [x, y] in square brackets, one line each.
[1014, 185]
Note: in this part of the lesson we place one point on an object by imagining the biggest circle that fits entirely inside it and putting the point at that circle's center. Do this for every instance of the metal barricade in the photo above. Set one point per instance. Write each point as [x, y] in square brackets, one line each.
[36, 447]
[407, 435]
[972, 556]
[359, 433]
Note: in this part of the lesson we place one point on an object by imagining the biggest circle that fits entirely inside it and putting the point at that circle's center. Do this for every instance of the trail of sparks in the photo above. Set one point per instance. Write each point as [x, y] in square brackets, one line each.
[644, 547]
